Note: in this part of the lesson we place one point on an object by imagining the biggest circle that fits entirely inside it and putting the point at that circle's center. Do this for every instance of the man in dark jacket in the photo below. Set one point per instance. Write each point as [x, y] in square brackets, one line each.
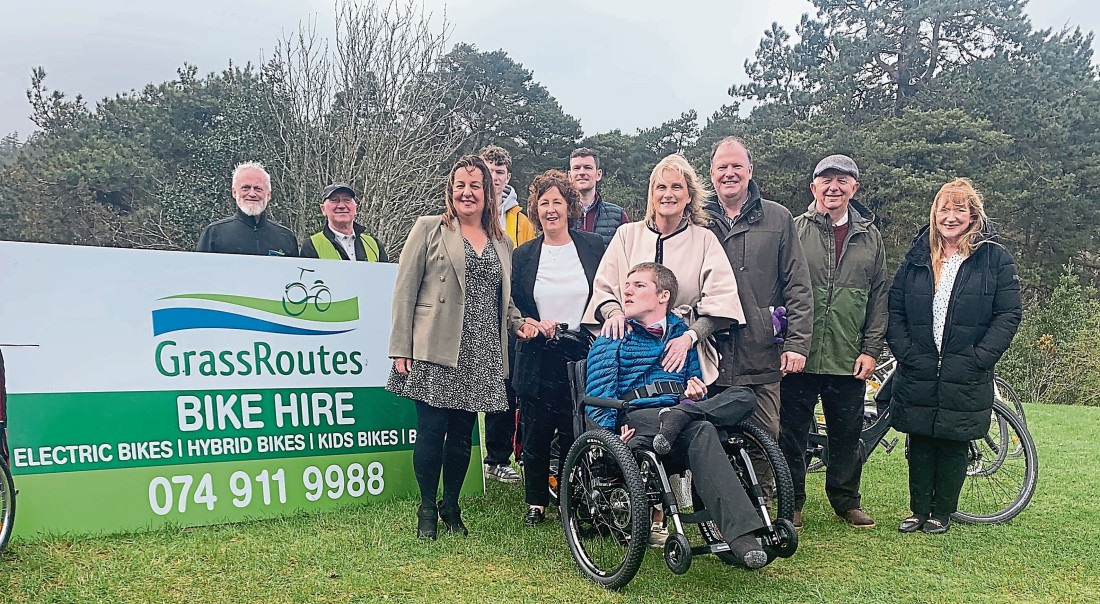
[342, 238]
[250, 231]
[597, 216]
[761, 243]
[847, 264]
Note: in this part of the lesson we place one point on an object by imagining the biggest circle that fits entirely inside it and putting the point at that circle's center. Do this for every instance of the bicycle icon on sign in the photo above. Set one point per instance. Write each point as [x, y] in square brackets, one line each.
[297, 295]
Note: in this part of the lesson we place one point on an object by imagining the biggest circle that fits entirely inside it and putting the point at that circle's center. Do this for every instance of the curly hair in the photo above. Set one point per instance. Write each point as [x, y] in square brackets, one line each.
[697, 191]
[552, 179]
[489, 218]
[495, 155]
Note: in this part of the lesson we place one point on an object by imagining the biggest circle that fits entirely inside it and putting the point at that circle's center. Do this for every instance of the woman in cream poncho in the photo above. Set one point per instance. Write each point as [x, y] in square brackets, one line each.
[674, 234]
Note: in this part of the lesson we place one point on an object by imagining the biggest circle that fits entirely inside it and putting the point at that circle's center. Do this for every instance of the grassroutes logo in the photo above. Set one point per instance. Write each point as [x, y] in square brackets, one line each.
[305, 309]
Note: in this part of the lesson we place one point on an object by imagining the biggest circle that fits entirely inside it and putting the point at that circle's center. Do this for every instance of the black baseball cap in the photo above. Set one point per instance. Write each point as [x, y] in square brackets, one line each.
[339, 186]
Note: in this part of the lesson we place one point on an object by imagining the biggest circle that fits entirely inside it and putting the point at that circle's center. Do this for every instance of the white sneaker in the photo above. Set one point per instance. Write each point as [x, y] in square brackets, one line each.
[658, 534]
[502, 473]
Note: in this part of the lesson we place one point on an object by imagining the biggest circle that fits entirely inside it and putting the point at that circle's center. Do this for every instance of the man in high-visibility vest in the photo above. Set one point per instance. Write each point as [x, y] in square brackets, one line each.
[342, 238]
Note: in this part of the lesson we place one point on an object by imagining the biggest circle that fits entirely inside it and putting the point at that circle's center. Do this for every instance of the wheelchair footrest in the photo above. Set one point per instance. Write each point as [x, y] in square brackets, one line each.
[696, 517]
[717, 548]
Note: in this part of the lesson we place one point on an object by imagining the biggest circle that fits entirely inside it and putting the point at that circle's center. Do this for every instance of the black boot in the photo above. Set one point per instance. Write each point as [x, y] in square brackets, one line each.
[427, 522]
[672, 423]
[452, 519]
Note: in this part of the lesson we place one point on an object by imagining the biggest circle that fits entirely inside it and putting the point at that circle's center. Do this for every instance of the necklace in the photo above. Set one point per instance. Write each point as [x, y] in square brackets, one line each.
[553, 251]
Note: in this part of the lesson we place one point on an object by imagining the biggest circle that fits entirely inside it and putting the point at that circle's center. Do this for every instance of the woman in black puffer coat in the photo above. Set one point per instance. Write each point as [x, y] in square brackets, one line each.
[954, 309]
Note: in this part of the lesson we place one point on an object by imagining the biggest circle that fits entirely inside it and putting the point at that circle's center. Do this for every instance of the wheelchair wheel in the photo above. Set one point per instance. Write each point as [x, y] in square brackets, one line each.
[1001, 473]
[7, 505]
[604, 510]
[746, 441]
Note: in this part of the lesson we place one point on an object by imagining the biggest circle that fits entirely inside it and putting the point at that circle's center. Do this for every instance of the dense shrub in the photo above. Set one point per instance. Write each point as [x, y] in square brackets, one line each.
[1055, 357]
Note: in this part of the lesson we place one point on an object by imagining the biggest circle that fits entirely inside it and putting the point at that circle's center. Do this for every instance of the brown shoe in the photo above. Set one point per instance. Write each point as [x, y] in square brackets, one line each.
[857, 518]
[797, 521]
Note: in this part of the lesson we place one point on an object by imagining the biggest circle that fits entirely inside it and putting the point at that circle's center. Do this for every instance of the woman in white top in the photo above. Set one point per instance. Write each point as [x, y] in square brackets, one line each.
[551, 284]
[674, 233]
[954, 308]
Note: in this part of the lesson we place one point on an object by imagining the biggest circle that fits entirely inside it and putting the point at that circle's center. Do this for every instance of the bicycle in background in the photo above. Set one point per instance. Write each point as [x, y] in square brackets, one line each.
[1002, 470]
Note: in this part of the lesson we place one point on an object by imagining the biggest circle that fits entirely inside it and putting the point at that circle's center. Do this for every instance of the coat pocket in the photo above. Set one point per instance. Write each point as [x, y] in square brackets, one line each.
[762, 331]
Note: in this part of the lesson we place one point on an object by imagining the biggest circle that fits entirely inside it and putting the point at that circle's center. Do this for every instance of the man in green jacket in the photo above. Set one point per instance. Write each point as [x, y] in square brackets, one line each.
[847, 264]
[342, 238]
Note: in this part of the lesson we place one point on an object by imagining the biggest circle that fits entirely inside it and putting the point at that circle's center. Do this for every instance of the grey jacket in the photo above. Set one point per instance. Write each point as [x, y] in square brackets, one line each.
[430, 292]
[771, 270]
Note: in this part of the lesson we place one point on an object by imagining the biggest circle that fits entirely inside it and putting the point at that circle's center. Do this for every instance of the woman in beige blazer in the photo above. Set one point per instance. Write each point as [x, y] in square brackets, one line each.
[452, 309]
[674, 234]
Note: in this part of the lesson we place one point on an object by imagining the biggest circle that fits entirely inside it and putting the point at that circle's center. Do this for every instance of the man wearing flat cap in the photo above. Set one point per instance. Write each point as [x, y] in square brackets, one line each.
[847, 262]
[342, 238]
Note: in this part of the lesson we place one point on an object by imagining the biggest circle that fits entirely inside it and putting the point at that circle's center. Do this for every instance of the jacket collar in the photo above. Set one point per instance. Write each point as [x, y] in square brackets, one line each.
[684, 224]
[595, 205]
[252, 221]
[676, 328]
[356, 230]
[751, 211]
[859, 216]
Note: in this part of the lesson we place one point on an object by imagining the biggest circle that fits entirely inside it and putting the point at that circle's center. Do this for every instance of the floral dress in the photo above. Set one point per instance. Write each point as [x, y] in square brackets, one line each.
[477, 383]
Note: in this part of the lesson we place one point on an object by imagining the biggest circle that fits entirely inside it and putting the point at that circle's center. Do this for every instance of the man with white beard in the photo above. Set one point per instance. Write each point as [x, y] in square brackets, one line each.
[250, 231]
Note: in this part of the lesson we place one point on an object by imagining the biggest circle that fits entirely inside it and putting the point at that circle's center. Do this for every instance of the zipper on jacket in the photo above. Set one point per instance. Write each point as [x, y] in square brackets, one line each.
[832, 266]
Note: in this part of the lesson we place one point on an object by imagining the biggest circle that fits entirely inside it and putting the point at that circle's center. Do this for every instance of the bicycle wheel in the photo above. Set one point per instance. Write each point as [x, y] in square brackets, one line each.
[1004, 391]
[7, 505]
[554, 477]
[295, 299]
[746, 442]
[999, 485]
[815, 451]
[322, 297]
[604, 511]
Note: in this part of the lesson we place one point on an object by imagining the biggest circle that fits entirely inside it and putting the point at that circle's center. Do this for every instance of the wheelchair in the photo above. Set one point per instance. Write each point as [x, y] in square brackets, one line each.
[609, 489]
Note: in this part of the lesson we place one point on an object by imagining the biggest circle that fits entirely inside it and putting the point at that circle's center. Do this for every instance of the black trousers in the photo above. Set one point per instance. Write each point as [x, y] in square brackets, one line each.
[501, 427]
[443, 439]
[937, 471]
[541, 420]
[500, 432]
[699, 448]
[842, 401]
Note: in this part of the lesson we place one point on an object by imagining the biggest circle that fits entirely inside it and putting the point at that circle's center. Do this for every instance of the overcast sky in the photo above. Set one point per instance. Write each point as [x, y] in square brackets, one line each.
[623, 64]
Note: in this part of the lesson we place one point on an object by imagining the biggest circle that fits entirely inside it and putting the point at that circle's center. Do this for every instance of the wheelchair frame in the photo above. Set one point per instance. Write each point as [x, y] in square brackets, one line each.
[604, 482]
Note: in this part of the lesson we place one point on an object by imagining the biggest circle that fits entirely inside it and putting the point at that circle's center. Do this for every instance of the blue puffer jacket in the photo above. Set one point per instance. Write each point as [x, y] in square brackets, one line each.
[616, 367]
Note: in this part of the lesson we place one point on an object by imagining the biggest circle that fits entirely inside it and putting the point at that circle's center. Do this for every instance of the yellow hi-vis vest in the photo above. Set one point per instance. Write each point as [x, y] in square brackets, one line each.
[327, 251]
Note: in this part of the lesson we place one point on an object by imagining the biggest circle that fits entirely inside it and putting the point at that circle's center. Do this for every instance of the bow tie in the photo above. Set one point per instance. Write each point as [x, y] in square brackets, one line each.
[657, 331]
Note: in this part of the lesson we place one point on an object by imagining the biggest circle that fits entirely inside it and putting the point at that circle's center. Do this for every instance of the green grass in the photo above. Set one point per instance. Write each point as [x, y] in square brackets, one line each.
[1048, 554]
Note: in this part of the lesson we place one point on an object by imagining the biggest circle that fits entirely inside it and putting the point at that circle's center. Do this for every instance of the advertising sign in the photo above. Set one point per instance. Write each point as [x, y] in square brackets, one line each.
[184, 388]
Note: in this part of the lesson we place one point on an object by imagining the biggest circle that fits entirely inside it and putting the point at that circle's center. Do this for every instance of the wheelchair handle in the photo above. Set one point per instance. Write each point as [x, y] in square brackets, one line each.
[606, 403]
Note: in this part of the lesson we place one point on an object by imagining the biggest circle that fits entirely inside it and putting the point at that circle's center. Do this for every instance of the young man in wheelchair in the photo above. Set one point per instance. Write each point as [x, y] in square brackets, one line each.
[669, 412]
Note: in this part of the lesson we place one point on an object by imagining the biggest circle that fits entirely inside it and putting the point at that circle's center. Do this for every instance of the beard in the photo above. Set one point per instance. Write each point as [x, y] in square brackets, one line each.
[252, 208]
